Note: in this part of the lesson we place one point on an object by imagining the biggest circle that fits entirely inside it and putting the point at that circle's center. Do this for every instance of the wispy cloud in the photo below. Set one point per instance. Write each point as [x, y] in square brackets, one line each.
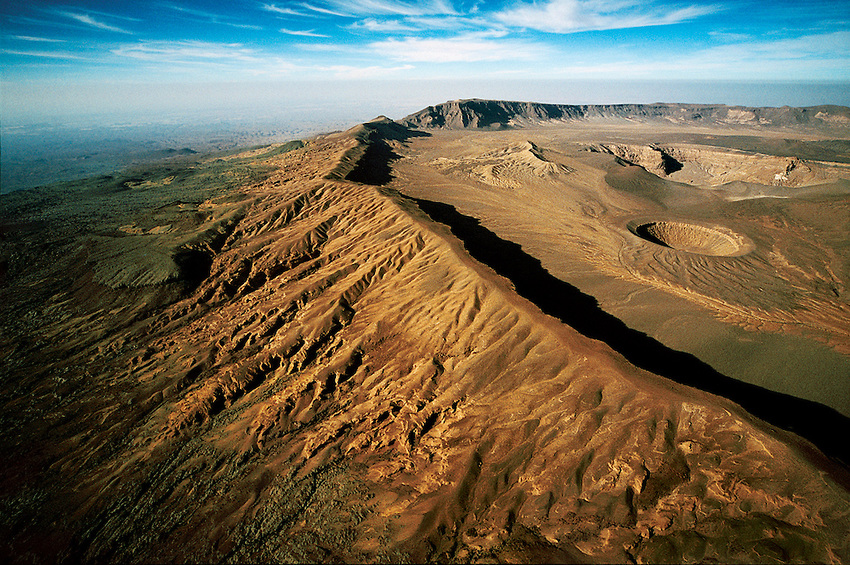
[825, 45]
[274, 8]
[302, 33]
[729, 36]
[789, 59]
[188, 52]
[427, 24]
[825, 55]
[569, 16]
[37, 39]
[90, 21]
[460, 38]
[305, 11]
[391, 8]
[324, 11]
[450, 22]
[210, 17]
[383, 26]
[340, 48]
[468, 48]
[113, 15]
[44, 54]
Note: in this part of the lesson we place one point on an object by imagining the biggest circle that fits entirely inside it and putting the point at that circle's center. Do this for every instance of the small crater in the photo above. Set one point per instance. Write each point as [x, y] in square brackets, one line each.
[694, 238]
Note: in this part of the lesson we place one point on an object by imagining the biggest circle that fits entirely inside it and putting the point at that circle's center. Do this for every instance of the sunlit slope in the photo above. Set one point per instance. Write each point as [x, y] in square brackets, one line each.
[332, 377]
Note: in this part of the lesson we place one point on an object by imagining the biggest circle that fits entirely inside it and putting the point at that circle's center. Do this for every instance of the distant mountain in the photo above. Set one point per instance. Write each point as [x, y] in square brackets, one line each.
[496, 114]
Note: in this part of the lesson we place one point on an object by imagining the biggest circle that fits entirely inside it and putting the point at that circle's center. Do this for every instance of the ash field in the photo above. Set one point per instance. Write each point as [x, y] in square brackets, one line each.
[486, 332]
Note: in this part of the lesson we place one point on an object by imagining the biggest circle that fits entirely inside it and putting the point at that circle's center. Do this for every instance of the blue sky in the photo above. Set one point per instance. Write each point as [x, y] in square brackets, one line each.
[238, 40]
[242, 41]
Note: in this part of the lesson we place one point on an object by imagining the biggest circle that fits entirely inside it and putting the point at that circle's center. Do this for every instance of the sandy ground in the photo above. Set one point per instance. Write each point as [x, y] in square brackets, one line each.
[744, 284]
[281, 357]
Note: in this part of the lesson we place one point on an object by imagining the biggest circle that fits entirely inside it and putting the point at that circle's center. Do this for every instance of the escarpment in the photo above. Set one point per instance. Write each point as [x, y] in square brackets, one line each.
[497, 114]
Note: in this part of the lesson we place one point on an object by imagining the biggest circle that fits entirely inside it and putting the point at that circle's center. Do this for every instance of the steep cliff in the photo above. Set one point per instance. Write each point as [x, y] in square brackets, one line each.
[496, 114]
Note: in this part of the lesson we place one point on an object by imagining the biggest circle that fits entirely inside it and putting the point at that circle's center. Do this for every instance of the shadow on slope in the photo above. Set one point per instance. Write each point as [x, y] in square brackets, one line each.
[373, 166]
[821, 425]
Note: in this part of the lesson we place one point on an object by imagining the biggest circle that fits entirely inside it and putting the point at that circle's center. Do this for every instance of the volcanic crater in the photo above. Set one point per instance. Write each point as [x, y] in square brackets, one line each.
[693, 238]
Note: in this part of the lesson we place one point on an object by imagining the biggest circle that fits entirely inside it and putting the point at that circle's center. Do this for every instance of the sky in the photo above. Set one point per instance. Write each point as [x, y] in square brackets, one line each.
[87, 56]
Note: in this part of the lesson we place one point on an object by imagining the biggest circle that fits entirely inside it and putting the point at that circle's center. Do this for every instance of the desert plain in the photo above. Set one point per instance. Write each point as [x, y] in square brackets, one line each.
[485, 332]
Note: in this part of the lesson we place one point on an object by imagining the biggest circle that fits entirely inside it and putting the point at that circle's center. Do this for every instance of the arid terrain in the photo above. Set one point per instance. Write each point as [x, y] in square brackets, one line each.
[486, 332]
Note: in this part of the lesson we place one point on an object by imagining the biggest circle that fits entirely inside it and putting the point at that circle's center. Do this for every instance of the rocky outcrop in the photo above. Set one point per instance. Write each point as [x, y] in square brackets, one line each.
[652, 158]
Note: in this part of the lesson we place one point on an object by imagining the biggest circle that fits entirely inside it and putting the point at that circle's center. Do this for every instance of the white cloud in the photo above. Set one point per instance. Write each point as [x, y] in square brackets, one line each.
[187, 52]
[38, 39]
[468, 48]
[302, 33]
[826, 45]
[569, 16]
[801, 58]
[450, 22]
[282, 11]
[88, 20]
[324, 11]
[325, 47]
[385, 26]
[44, 54]
[210, 17]
[306, 11]
[113, 15]
[729, 36]
[822, 56]
[208, 59]
[391, 8]
[424, 24]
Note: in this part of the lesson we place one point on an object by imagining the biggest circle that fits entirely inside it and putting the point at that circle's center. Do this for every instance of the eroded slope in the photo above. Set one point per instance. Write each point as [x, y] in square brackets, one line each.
[341, 381]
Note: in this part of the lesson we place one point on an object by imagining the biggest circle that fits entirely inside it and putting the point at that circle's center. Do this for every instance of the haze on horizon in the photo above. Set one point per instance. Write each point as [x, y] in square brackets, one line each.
[66, 60]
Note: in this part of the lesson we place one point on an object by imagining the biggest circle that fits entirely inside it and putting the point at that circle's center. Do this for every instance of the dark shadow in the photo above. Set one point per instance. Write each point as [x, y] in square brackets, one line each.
[643, 232]
[669, 164]
[823, 426]
[194, 266]
[373, 167]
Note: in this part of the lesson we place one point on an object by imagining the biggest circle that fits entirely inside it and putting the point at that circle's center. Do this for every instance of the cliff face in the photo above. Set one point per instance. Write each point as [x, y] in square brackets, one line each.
[495, 114]
[338, 380]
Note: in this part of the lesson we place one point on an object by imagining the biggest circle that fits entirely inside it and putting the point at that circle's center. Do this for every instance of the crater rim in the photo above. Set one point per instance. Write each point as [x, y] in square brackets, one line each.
[693, 237]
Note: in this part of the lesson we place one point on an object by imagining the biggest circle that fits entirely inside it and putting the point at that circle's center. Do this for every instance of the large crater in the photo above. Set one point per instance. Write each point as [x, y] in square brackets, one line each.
[694, 238]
